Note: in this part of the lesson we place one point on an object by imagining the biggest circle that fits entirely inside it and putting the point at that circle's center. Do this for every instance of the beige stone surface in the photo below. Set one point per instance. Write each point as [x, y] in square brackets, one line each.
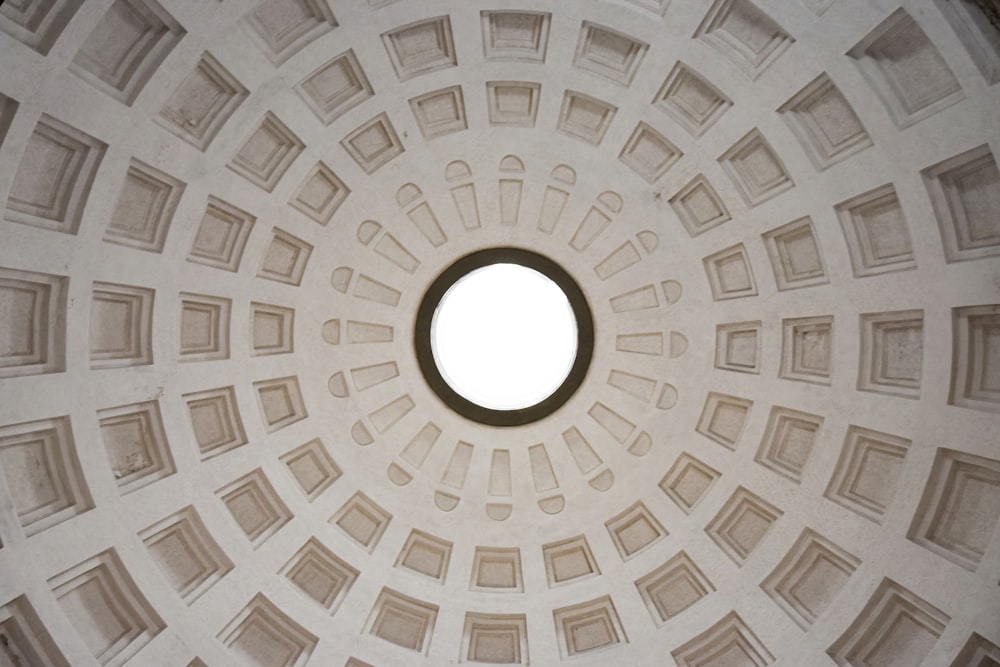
[220, 217]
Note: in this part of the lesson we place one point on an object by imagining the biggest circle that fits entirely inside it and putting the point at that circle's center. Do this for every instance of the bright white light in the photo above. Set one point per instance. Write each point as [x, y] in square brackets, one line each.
[504, 337]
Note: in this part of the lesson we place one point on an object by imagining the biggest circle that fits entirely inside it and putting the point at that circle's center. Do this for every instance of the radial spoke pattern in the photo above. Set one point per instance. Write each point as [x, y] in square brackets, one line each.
[219, 220]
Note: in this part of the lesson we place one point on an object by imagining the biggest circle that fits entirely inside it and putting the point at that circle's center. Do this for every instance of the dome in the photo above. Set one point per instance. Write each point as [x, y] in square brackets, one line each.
[223, 435]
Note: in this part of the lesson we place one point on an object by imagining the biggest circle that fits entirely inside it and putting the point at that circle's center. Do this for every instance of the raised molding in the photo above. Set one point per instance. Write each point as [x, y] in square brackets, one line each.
[896, 627]
[33, 325]
[868, 471]
[45, 481]
[588, 627]
[905, 70]
[515, 35]
[54, 177]
[282, 29]
[958, 512]
[126, 47]
[421, 47]
[186, 553]
[102, 602]
[202, 103]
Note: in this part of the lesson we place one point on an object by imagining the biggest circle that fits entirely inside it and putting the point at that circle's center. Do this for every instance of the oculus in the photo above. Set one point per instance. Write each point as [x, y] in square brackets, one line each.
[504, 336]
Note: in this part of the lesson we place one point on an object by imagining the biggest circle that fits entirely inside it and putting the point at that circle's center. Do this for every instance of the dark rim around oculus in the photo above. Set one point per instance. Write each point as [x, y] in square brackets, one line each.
[460, 269]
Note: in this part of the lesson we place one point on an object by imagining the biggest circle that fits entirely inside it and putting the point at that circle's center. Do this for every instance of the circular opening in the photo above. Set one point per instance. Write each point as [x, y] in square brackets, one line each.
[504, 336]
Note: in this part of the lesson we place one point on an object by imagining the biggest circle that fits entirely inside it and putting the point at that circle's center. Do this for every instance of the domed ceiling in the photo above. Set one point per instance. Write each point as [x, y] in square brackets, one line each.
[221, 217]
